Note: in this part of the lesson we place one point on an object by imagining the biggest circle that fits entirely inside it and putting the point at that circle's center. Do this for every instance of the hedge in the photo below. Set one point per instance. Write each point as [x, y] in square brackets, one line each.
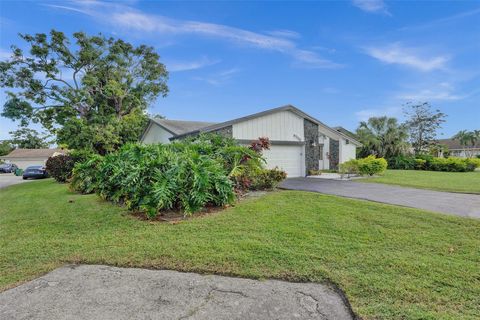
[427, 162]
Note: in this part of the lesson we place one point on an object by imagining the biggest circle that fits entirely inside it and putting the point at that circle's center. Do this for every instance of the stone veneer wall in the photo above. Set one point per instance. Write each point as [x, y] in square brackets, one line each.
[312, 149]
[334, 154]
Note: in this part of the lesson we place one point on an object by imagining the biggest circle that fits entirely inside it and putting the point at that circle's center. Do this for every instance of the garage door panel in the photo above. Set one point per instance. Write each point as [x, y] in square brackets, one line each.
[288, 158]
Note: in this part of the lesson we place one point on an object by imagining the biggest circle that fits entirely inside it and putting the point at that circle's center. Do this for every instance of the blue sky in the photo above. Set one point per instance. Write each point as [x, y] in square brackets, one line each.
[340, 61]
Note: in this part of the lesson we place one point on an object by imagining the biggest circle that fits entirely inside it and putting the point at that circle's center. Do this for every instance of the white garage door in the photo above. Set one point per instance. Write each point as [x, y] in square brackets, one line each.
[288, 158]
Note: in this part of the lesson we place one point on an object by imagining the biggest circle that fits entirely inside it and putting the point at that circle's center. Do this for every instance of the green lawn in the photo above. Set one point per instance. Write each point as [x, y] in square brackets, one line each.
[392, 262]
[467, 182]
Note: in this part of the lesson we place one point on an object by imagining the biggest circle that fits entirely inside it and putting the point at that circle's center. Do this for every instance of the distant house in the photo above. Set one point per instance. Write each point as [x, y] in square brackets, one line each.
[24, 158]
[299, 142]
[457, 150]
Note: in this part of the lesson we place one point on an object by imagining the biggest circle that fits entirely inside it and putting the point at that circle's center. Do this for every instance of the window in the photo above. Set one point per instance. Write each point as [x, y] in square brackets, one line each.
[320, 148]
[347, 141]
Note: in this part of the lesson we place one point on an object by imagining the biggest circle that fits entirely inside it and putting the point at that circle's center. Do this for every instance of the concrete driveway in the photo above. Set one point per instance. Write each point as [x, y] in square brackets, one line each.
[102, 292]
[8, 179]
[465, 205]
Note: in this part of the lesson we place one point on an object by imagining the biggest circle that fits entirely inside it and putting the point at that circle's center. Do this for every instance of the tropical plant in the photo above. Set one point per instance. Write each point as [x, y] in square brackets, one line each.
[185, 175]
[383, 137]
[468, 139]
[92, 94]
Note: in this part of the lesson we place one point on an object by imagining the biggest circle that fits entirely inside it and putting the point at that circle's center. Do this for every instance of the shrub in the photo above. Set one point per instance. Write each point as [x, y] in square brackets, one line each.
[372, 165]
[402, 163]
[420, 164]
[267, 179]
[313, 172]
[350, 167]
[84, 175]
[185, 175]
[60, 167]
[427, 162]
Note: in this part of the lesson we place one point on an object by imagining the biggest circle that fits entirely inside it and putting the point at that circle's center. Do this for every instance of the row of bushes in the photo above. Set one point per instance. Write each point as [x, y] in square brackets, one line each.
[367, 166]
[427, 162]
[209, 170]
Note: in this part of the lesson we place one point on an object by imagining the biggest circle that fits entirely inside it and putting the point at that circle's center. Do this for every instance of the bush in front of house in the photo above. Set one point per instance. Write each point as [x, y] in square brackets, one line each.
[60, 167]
[185, 175]
[401, 162]
[84, 175]
[428, 162]
[370, 165]
[267, 179]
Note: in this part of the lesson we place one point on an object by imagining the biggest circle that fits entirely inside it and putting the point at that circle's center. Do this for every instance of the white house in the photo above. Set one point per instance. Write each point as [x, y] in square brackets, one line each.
[457, 150]
[299, 142]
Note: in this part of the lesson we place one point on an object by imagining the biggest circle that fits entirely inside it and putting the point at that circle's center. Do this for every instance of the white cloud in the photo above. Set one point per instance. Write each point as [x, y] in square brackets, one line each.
[177, 66]
[444, 20]
[365, 114]
[372, 6]
[443, 91]
[219, 78]
[284, 34]
[410, 57]
[122, 16]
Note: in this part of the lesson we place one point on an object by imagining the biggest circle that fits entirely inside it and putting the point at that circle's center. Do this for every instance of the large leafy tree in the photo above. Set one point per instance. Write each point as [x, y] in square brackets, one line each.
[383, 137]
[92, 94]
[26, 138]
[468, 139]
[423, 123]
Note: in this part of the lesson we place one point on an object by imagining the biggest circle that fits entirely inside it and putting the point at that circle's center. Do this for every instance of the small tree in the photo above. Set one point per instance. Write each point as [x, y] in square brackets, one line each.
[26, 138]
[423, 123]
[468, 139]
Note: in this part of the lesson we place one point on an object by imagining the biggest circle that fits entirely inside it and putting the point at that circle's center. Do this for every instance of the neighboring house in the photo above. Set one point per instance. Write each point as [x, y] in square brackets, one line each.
[24, 158]
[457, 150]
[299, 142]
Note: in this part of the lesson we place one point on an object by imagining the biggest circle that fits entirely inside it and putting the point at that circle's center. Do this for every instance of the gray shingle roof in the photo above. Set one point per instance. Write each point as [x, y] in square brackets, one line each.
[178, 127]
[32, 153]
[455, 144]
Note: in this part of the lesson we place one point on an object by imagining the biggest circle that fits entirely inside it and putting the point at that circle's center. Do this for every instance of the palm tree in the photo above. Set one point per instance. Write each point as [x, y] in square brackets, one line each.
[383, 137]
[466, 139]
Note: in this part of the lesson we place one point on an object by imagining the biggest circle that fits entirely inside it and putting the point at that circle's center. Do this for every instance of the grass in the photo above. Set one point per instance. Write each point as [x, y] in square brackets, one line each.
[466, 182]
[391, 262]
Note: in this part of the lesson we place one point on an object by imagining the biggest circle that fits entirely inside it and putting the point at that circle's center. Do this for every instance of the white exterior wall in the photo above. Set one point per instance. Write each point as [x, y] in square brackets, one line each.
[280, 126]
[156, 134]
[347, 151]
[23, 163]
[325, 163]
[463, 154]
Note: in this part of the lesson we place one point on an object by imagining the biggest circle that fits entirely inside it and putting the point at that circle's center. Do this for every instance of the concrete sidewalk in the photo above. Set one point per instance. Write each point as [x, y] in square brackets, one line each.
[465, 205]
[101, 292]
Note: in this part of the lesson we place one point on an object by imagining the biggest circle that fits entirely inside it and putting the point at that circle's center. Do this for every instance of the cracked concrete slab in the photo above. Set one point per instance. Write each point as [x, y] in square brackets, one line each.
[103, 292]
